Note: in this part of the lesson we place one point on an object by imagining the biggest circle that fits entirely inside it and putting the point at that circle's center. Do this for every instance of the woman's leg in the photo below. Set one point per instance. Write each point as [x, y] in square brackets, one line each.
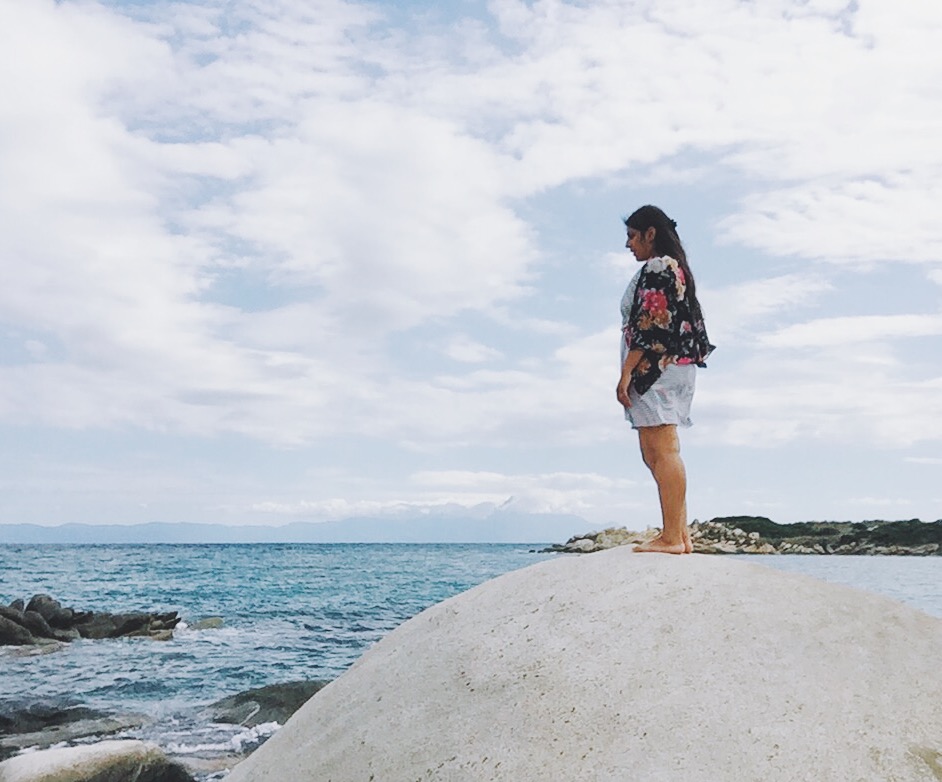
[660, 449]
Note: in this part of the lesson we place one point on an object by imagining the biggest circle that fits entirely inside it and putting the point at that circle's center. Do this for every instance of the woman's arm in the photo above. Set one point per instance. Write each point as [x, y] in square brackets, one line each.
[621, 390]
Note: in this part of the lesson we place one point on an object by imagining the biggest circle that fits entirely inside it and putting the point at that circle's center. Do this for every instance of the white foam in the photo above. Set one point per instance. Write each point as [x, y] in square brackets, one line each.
[246, 737]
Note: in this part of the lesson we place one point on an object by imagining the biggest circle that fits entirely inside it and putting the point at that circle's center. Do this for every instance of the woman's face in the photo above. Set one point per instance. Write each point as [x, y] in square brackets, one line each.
[641, 244]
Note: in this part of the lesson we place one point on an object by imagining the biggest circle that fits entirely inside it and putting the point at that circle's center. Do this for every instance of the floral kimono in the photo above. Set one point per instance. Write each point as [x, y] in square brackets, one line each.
[659, 319]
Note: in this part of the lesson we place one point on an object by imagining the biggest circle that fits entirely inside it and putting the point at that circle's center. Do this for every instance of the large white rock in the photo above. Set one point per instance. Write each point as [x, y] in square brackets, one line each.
[106, 761]
[620, 667]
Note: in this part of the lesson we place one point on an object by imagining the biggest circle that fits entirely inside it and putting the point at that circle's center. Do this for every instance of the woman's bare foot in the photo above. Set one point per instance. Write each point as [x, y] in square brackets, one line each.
[688, 544]
[660, 546]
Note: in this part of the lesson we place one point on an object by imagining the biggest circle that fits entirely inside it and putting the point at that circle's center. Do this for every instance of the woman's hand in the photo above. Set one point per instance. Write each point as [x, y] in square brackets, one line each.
[621, 390]
[627, 369]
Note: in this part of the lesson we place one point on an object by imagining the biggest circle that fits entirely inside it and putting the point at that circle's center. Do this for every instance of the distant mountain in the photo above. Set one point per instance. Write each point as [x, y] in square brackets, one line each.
[497, 527]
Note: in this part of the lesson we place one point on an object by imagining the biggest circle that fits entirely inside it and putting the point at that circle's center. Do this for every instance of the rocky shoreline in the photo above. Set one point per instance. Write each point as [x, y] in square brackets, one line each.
[44, 740]
[38, 737]
[759, 535]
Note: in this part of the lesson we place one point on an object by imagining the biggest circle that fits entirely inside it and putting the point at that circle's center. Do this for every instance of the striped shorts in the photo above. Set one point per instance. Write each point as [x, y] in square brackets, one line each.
[667, 401]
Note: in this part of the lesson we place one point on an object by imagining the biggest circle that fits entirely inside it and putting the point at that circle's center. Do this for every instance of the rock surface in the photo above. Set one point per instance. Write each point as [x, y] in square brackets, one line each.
[107, 761]
[33, 717]
[41, 725]
[626, 666]
[273, 703]
[78, 729]
[45, 620]
[759, 535]
[208, 623]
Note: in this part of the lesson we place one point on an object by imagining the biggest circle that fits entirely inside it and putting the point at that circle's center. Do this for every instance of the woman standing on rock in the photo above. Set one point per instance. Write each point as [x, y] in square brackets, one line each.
[664, 341]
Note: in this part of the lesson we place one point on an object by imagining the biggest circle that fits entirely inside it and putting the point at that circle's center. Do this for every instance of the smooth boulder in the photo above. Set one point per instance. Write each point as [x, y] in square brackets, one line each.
[624, 666]
[107, 761]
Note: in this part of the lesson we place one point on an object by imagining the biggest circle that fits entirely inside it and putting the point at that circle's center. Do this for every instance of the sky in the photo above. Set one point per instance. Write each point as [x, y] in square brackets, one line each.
[267, 261]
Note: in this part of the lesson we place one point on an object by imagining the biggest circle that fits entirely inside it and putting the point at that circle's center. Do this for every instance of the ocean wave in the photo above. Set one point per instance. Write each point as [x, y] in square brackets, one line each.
[245, 740]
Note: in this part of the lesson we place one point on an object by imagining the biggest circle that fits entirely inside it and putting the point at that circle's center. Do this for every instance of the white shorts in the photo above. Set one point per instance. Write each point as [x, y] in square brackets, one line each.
[667, 401]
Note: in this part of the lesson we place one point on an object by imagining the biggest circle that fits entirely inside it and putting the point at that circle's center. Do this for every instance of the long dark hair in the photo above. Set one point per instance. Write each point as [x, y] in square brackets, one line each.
[666, 241]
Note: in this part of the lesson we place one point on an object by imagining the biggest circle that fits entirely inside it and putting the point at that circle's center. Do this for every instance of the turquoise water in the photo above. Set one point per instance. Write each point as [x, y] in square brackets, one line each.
[300, 611]
[290, 611]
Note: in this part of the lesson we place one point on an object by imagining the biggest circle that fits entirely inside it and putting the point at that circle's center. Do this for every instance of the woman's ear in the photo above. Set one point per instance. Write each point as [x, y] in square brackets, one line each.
[650, 234]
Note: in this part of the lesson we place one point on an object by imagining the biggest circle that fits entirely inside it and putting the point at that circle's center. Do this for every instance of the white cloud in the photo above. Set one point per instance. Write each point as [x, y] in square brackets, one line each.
[239, 218]
[853, 330]
[467, 492]
[739, 311]
[833, 396]
[462, 348]
[316, 153]
[860, 219]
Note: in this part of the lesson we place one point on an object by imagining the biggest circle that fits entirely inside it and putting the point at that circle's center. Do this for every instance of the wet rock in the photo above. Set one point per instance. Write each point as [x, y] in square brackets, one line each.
[14, 634]
[106, 761]
[208, 623]
[79, 729]
[28, 718]
[41, 725]
[52, 611]
[273, 703]
[101, 625]
[40, 628]
[12, 613]
[35, 623]
[158, 635]
[44, 618]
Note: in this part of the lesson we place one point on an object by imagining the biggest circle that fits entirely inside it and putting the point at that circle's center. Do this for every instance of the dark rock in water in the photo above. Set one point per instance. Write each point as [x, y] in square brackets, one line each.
[12, 613]
[18, 605]
[46, 619]
[52, 611]
[14, 634]
[40, 628]
[274, 703]
[35, 623]
[102, 625]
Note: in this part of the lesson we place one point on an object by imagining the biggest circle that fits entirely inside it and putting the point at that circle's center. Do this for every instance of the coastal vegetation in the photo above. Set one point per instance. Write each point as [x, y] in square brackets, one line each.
[761, 535]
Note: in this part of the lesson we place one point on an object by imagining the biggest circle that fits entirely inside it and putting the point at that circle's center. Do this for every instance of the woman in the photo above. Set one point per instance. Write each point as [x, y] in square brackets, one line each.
[664, 342]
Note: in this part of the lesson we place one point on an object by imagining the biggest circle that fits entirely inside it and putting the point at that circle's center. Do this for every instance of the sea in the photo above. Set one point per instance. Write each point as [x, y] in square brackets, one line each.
[289, 612]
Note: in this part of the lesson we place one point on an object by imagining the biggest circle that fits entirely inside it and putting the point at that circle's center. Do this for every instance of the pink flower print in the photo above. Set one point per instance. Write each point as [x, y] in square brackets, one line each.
[654, 301]
[680, 282]
[685, 327]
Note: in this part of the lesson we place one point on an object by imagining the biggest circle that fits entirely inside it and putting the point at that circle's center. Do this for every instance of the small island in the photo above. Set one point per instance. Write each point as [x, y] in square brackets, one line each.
[760, 535]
